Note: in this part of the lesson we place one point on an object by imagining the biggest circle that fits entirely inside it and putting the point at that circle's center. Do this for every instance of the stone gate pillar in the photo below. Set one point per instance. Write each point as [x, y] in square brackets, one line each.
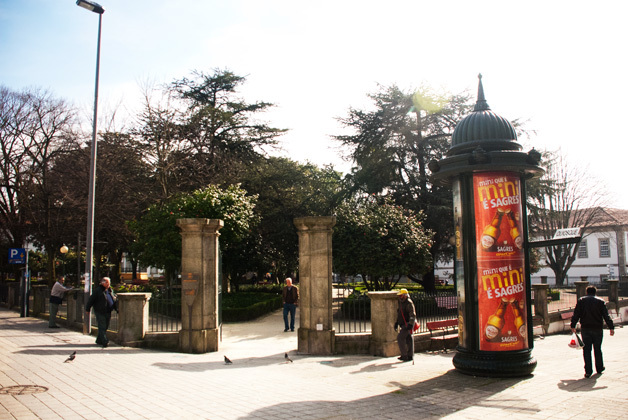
[316, 333]
[613, 293]
[132, 317]
[581, 288]
[199, 285]
[384, 315]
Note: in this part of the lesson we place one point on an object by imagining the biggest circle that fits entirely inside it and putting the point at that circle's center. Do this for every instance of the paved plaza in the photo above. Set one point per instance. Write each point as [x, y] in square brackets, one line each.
[129, 383]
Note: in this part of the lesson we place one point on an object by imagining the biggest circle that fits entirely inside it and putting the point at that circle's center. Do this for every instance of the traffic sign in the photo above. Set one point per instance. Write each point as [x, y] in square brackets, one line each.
[17, 256]
[567, 233]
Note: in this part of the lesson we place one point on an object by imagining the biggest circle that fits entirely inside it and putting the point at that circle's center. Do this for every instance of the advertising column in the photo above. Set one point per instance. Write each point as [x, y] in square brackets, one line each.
[500, 261]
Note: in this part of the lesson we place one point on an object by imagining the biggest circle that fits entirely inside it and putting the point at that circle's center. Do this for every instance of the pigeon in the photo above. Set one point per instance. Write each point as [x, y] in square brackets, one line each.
[70, 357]
[227, 361]
[288, 359]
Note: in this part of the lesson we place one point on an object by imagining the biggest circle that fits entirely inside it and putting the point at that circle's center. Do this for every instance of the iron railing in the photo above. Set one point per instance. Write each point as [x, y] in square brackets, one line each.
[164, 310]
[352, 309]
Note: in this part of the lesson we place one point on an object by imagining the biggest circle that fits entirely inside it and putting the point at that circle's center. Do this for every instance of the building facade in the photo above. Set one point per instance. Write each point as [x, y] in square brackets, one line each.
[601, 254]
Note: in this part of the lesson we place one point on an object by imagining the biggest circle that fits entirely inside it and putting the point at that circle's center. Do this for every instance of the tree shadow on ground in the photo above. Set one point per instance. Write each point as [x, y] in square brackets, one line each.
[436, 397]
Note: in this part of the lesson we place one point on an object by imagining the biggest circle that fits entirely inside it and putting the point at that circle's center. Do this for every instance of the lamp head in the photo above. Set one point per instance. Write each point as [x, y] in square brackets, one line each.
[92, 6]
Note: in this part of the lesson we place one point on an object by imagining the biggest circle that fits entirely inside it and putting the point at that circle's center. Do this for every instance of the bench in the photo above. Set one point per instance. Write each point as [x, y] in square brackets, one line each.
[440, 331]
[566, 317]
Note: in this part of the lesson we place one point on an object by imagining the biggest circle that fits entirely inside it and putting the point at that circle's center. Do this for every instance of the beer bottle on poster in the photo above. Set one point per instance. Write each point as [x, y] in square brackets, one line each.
[519, 322]
[495, 322]
[491, 232]
[514, 231]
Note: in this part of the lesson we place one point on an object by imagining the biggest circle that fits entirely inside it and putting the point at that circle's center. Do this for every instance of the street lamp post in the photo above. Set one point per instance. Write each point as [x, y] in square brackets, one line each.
[87, 327]
[64, 250]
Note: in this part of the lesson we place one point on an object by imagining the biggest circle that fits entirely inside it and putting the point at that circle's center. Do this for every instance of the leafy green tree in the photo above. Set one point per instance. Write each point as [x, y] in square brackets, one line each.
[380, 240]
[286, 189]
[392, 145]
[158, 240]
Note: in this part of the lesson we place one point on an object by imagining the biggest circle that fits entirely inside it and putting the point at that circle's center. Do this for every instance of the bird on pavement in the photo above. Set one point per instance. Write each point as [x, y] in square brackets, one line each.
[288, 359]
[227, 361]
[70, 357]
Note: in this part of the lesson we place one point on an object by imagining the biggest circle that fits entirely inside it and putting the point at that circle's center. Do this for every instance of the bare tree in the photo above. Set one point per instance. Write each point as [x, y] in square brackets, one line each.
[564, 197]
[14, 120]
[34, 127]
[158, 133]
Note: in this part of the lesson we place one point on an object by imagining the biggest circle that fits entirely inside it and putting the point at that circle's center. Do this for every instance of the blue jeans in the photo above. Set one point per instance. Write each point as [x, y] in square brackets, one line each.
[292, 308]
[592, 338]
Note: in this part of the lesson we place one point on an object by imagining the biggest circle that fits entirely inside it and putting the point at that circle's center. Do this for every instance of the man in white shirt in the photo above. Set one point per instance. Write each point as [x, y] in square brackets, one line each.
[56, 297]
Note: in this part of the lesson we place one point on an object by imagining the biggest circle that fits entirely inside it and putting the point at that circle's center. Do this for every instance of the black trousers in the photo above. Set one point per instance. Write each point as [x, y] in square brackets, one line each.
[592, 338]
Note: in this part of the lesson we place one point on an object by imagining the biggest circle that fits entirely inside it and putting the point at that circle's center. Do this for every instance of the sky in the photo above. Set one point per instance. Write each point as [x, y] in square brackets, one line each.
[559, 65]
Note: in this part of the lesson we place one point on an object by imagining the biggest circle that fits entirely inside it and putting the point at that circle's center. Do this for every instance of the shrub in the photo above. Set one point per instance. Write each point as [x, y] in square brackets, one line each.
[553, 295]
[244, 306]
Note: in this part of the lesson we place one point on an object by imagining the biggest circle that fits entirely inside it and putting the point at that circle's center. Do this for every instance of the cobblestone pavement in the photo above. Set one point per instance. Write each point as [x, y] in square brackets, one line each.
[128, 383]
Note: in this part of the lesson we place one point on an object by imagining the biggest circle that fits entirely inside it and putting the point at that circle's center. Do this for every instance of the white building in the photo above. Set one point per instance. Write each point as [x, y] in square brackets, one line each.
[602, 252]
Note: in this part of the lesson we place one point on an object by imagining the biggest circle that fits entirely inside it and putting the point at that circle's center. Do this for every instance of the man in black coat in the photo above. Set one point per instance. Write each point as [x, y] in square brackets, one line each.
[103, 300]
[592, 313]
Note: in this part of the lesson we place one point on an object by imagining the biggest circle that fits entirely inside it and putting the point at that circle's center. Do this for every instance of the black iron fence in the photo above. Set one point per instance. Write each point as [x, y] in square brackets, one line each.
[164, 310]
[352, 308]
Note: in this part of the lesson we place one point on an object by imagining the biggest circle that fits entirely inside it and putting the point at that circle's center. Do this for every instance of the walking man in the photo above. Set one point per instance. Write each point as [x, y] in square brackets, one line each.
[406, 315]
[103, 300]
[290, 298]
[592, 313]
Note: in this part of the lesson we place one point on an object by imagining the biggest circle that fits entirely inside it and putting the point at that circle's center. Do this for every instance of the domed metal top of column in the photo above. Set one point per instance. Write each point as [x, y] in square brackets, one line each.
[483, 128]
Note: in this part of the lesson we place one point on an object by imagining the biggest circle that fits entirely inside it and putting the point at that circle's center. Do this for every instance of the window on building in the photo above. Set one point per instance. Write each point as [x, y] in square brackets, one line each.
[605, 248]
[583, 252]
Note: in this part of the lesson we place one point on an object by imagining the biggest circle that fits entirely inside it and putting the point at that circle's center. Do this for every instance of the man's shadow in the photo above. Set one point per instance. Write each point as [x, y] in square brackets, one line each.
[580, 385]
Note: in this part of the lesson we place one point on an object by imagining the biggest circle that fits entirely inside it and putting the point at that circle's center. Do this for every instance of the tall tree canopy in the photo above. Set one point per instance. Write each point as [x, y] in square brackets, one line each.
[392, 145]
[201, 132]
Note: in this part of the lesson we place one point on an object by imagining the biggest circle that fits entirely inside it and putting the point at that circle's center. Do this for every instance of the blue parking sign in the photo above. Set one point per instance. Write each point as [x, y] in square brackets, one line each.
[17, 256]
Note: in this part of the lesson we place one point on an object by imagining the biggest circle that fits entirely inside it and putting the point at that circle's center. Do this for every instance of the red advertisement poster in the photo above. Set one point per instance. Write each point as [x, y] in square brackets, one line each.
[501, 261]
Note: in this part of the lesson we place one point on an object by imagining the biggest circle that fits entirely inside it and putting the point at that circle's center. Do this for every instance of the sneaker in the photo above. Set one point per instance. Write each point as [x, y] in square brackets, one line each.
[286, 330]
[292, 330]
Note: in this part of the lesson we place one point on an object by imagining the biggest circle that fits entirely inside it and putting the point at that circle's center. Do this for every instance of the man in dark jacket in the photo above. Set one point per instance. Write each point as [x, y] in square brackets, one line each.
[103, 300]
[406, 316]
[592, 313]
[290, 298]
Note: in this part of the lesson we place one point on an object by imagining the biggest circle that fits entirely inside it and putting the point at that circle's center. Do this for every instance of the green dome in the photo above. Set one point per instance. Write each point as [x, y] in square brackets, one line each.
[483, 128]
